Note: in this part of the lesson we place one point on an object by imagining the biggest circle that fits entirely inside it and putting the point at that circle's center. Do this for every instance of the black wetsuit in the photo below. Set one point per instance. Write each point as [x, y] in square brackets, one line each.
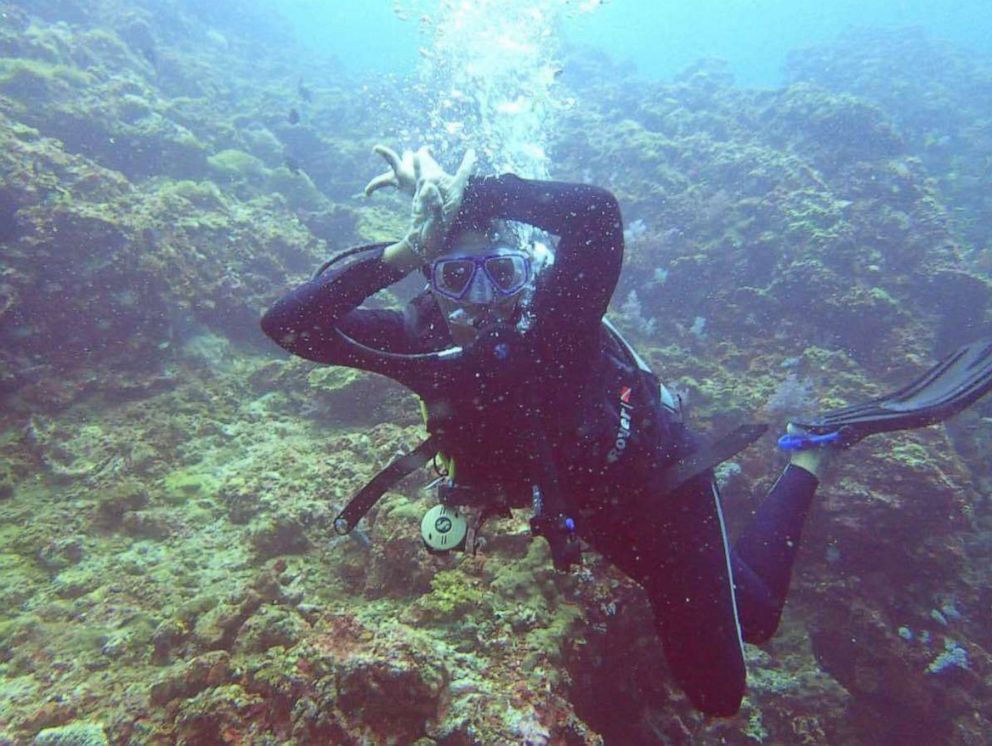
[563, 405]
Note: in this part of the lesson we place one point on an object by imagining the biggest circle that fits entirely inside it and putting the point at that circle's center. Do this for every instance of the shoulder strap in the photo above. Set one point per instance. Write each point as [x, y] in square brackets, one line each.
[628, 348]
[670, 402]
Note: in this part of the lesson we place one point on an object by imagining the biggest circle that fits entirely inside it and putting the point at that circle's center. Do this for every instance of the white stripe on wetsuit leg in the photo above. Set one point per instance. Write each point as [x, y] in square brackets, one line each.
[730, 570]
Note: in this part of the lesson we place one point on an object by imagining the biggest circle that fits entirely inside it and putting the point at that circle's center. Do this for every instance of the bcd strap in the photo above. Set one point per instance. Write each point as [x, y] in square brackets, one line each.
[369, 495]
[707, 457]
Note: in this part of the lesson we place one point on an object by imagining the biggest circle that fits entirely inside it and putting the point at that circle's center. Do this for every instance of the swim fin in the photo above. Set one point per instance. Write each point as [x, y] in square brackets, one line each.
[953, 384]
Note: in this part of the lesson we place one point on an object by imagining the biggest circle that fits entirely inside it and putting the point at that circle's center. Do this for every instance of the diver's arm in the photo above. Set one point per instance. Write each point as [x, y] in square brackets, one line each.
[305, 320]
[587, 220]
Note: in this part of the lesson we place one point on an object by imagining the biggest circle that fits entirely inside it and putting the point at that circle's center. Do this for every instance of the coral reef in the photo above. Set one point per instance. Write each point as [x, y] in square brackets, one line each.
[168, 485]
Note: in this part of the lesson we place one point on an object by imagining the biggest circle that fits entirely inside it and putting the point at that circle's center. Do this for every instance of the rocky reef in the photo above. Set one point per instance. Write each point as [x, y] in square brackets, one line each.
[168, 481]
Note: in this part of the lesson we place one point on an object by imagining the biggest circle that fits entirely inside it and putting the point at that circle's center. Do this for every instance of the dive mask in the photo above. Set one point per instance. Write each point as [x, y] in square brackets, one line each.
[481, 279]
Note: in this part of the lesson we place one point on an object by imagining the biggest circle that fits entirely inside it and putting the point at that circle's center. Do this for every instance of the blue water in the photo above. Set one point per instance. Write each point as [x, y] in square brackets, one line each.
[660, 38]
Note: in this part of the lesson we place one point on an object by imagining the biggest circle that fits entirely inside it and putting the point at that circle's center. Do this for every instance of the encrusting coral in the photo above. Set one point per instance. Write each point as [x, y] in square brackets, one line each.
[168, 484]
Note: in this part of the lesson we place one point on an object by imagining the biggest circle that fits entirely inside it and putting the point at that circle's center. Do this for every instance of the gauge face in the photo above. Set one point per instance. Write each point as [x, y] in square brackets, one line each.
[443, 529]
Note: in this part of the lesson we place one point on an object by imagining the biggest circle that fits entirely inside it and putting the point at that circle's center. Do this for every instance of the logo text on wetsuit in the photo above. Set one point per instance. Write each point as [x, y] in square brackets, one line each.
[623, 430]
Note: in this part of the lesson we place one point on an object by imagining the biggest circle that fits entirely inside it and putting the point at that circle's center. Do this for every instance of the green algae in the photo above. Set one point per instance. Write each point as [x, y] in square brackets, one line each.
[378, 224]
[210, 556]
[182, 485]
[203, 195]
[232, 164]
[34, 80]
[545, 642]
[333, 379]
[298, 189]
[453, 594]
[402, 508]
[74, 734]
[271, 627]
[913, 455]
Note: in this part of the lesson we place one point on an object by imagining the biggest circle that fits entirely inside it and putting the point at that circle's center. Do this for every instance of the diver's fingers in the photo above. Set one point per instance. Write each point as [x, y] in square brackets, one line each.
[456, 187]
[465, 170]
[426, 201]
[390, 156]
[417, 169]
[433, 202]
[429, 167]
[422, 200]
[423, 175]
[432, 228]
[383, 180]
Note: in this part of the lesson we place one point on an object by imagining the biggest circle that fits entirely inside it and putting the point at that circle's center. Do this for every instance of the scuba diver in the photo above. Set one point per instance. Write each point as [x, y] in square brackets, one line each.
[533, 399]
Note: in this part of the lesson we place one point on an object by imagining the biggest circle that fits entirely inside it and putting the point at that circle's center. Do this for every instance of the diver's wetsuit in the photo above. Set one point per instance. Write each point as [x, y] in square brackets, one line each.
[564, 406]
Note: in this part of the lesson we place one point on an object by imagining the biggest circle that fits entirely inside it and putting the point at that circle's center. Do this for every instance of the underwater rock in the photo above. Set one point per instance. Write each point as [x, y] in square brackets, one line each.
[220, 714]
[273, 535]
[119, 498]
[168, 635]
[299, 192]
[269, 582]
[218, 628]
[397, 696]
[192, 677]
[59, 554]
[345, 395]
[77, 581]
[236, 165]
[835, 129]
[241, 502]
[269, 627]
[336, 224]
[396, 563]
[858, 651]
[74, 734]
[9, 205]
[158, 523]
[8, 481]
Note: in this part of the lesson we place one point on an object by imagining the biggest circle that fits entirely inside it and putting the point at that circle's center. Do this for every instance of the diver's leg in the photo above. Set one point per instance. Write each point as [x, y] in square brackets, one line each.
[688, 581]
[764, 554]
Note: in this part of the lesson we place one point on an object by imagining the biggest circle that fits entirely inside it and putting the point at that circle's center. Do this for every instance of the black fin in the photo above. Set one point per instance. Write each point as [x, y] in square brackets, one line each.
[707, 457]
[950, 386]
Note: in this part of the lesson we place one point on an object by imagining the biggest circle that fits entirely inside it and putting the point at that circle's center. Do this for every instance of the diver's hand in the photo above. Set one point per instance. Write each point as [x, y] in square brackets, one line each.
[407, 171]
[559, 530]
[424, 240]
[450, 187]
[436, 201]
[437, 198]
[401, 173]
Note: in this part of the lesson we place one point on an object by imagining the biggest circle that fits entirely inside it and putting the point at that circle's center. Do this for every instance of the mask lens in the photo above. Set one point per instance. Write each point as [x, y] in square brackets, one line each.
[452, 277]
[508, 273]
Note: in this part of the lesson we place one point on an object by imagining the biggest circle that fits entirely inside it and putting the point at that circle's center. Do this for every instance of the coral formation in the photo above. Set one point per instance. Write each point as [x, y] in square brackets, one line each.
[168, 486]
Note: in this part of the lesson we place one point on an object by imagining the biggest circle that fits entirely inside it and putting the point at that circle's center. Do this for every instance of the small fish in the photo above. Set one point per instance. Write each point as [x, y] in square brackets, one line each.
[305, 93]
[292, 164]
[294, 116]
